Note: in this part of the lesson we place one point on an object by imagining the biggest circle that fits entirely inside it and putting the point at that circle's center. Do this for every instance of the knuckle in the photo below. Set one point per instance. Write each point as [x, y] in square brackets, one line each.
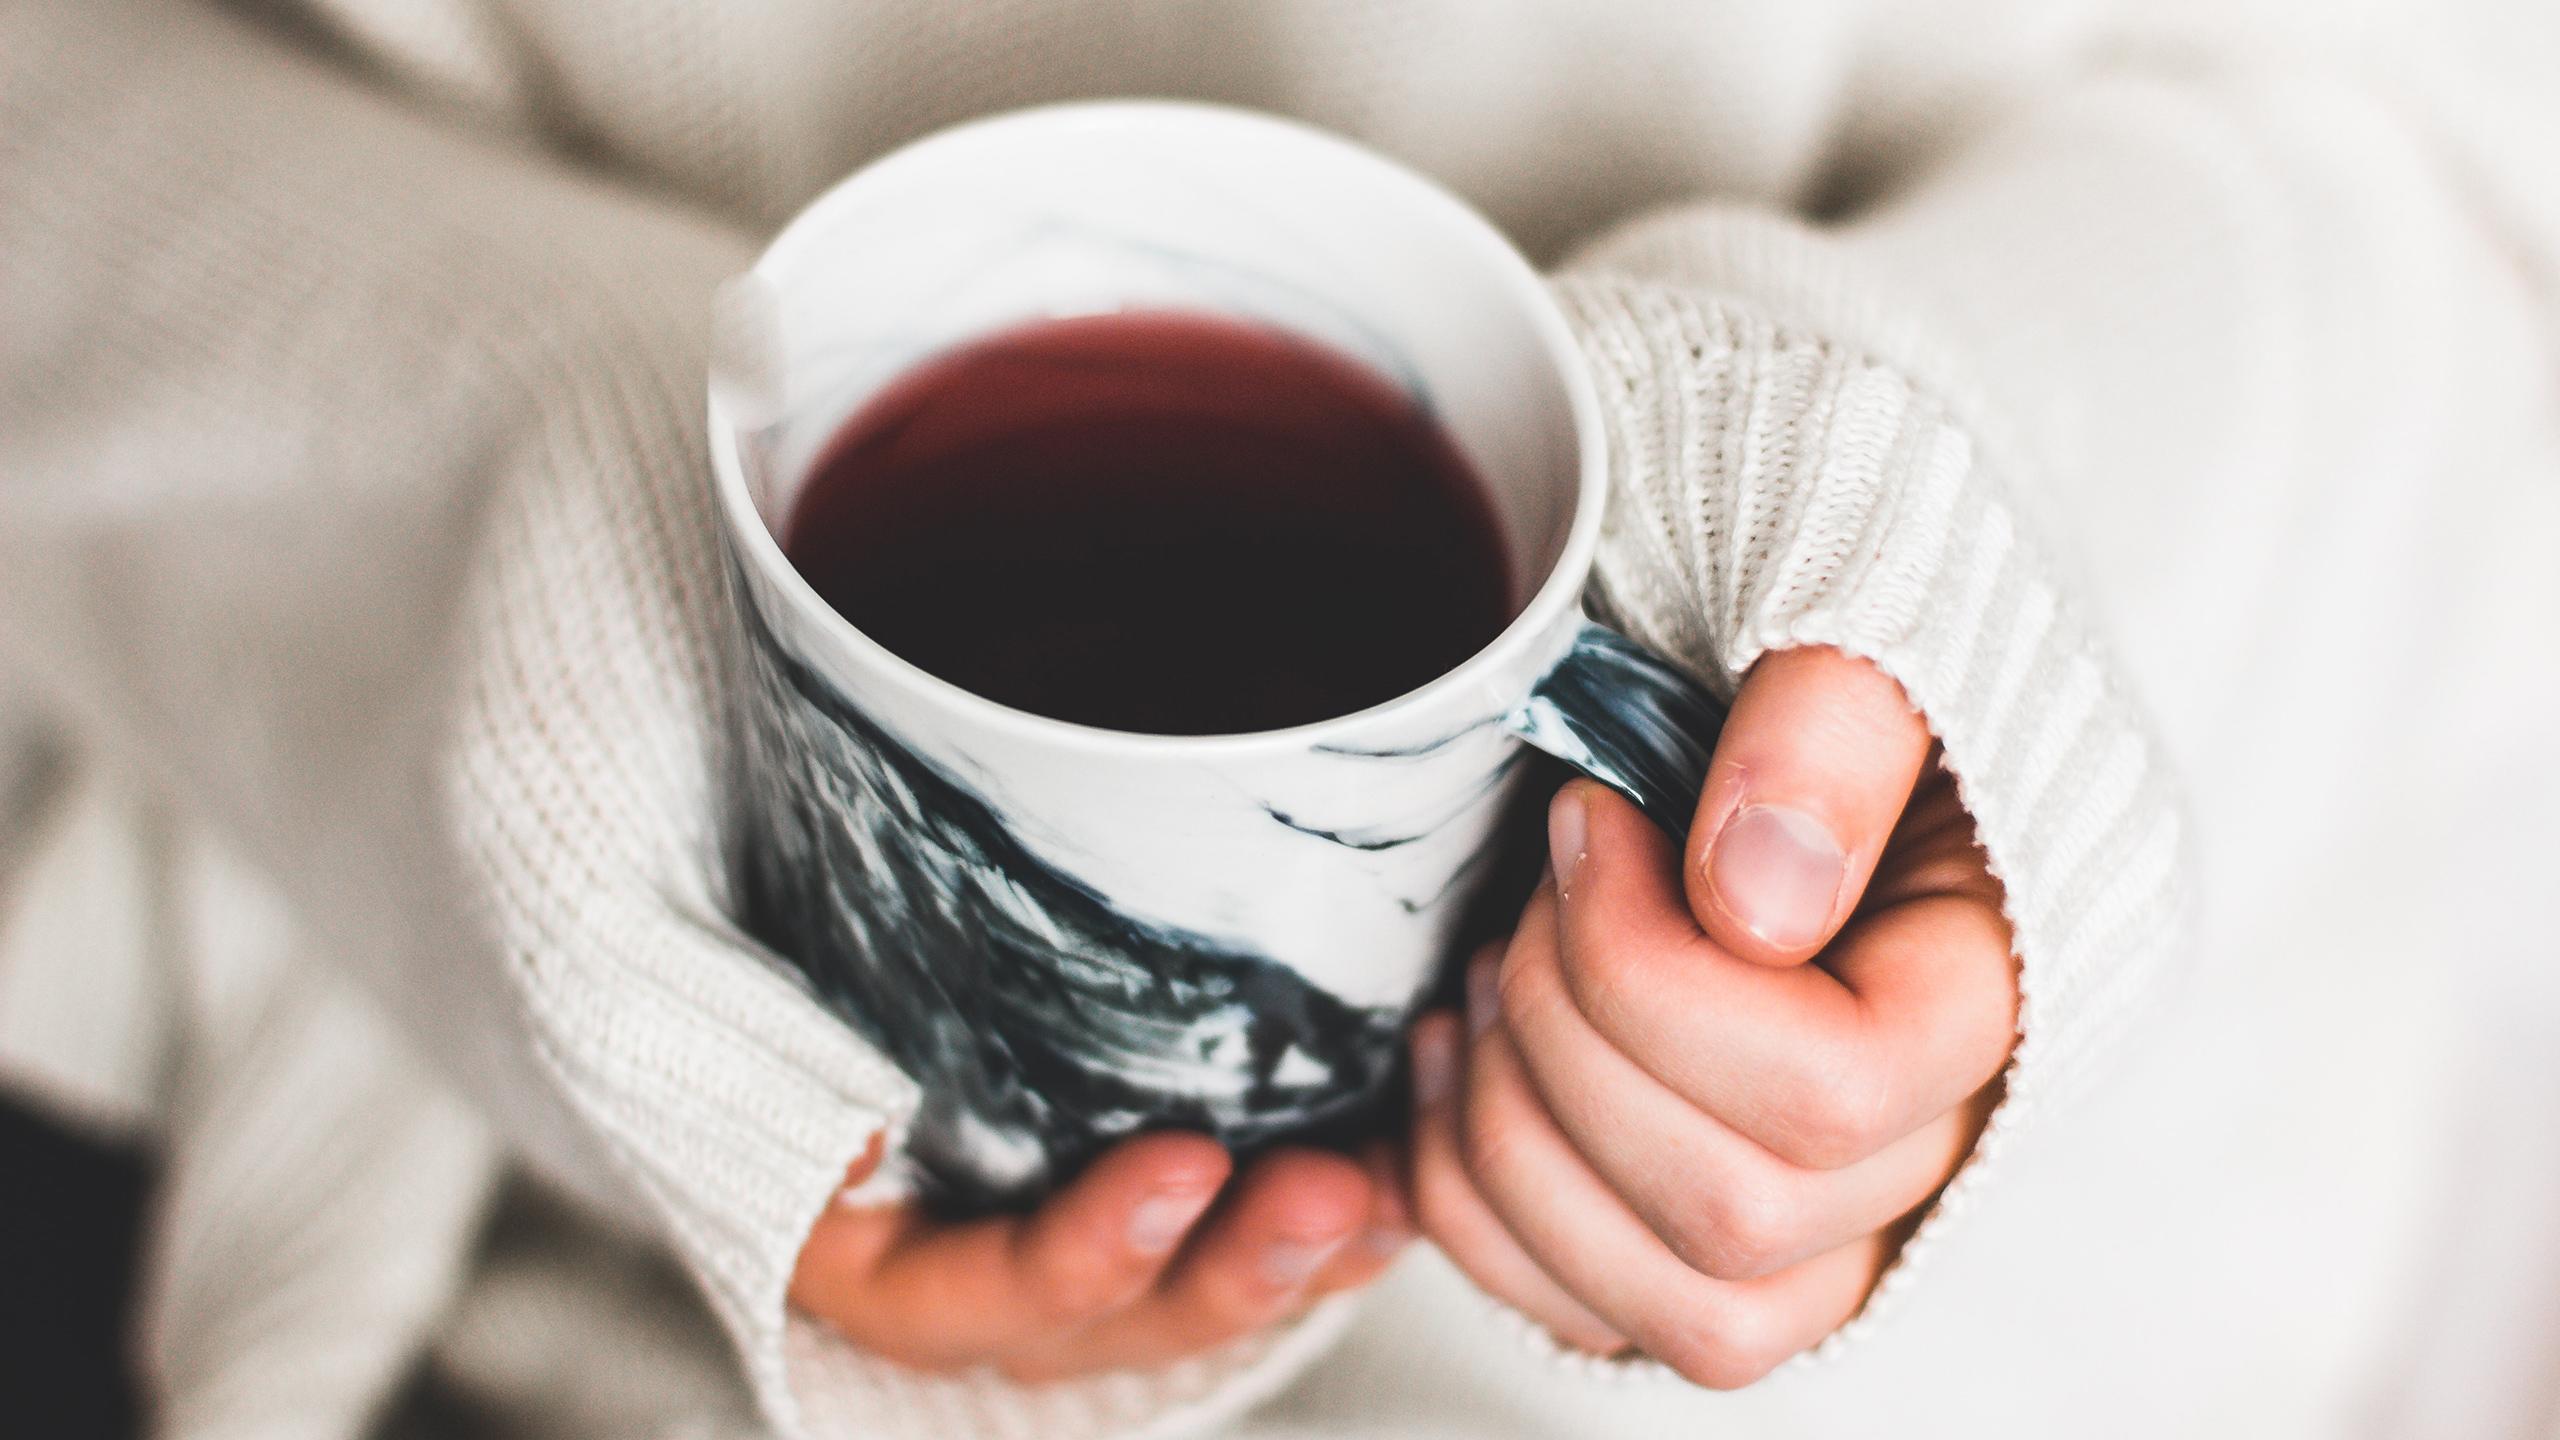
[1741, 1232]
[1840, 1115]
[1727, 1350]
[1601, 973]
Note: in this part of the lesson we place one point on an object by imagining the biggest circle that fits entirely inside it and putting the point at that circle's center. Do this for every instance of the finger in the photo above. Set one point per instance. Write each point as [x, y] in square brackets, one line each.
[1253, 1263]
[1388, 1231]
[1457, 1219]
[1812, 769]
[1914, 1008]
[937, 1295]
[1722, 1203]
[1718, 1333]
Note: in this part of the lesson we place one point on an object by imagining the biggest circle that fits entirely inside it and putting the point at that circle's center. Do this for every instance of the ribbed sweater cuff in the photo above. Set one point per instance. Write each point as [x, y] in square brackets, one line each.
[1778, 484]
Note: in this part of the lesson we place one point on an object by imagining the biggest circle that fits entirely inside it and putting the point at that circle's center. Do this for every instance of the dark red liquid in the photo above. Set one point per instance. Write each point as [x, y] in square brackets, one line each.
[1155, 521]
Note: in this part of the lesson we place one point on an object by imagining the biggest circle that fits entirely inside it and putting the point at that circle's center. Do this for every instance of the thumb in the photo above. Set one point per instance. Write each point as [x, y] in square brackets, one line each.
[1812, 770]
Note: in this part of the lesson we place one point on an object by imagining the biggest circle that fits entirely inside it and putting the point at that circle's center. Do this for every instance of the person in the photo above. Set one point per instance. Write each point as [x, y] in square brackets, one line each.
[2098, 448]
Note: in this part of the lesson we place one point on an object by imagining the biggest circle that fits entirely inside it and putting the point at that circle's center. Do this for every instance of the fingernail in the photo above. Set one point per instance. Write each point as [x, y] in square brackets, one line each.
[1778, 871]
[1288, 1264]
[1566, 829]
[1435, 1066]
[1484, 992]
[1160, 1221]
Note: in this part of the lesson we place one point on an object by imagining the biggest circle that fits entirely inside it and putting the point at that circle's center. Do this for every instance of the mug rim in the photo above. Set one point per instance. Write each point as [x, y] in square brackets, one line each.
[1557, 595]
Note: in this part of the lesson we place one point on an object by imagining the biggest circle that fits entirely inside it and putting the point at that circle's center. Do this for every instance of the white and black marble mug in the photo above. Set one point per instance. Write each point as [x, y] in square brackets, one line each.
[1067, 934]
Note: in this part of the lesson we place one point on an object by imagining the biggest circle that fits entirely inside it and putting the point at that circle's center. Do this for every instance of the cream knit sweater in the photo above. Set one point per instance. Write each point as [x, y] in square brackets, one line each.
[356, 571]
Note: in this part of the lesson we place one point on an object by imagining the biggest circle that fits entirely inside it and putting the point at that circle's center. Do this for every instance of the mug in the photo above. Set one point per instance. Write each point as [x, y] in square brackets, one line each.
[1064, 934]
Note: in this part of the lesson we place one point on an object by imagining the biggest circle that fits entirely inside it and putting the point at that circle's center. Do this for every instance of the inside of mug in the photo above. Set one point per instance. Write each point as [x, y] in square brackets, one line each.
[1119, 207]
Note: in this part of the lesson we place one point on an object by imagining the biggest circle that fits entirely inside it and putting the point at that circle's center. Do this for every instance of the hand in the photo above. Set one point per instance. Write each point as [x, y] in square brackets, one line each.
[1693, 1106]
[1118, 1271]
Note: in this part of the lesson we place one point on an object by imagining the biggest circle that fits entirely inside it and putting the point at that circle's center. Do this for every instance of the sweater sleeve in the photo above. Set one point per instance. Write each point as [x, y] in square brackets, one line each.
[2040, 424]
[353, 487]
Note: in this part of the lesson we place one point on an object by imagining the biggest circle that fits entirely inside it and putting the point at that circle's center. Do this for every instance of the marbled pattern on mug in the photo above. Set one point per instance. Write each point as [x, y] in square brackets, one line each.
[1629, 719]
[1044, 1021]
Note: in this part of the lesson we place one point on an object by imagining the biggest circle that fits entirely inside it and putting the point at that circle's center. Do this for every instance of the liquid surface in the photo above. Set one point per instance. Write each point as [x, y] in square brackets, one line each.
[1159, 522]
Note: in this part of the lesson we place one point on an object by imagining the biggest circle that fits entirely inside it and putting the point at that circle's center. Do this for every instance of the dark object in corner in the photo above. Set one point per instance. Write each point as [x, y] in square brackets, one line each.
[70, 1213]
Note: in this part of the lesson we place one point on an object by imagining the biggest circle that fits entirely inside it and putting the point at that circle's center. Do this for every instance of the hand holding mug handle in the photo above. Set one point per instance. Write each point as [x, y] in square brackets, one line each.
[1699, 1098]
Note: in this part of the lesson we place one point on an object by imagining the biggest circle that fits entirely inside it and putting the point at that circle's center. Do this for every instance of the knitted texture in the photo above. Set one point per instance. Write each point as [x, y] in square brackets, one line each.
[318, 1182]
[1776, 488]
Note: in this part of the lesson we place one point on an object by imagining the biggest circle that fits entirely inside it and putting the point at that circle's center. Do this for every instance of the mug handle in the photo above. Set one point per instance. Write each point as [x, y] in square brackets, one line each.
[1629, 719]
